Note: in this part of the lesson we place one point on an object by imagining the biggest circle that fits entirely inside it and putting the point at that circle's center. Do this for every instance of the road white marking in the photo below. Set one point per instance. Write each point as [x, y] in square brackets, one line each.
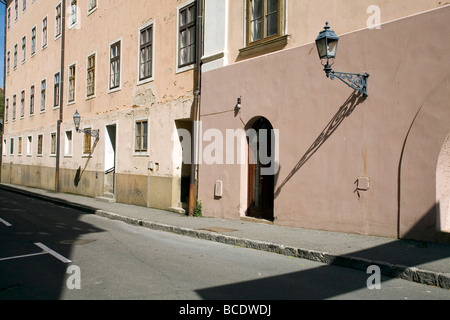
[53, 253]
[5, 223]
[23, 256]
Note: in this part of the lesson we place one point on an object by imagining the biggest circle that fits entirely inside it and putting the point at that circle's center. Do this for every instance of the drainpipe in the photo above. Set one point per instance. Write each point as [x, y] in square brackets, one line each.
[196, 115]
[61, 96]
[2, 116]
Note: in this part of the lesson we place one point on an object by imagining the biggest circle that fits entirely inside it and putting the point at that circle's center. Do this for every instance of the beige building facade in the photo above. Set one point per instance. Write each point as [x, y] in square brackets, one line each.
[128, 70]
[376, 165]
[278, 141]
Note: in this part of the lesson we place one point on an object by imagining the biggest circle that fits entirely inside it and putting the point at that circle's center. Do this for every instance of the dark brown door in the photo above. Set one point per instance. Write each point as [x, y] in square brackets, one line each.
[260, 184]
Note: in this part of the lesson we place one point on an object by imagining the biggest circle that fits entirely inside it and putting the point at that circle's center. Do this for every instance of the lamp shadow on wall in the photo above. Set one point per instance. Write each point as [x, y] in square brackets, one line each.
[344, 111]
[80, 171]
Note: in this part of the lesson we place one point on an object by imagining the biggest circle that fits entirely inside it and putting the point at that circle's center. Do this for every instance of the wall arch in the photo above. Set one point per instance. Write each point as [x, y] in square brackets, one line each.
[443, 188]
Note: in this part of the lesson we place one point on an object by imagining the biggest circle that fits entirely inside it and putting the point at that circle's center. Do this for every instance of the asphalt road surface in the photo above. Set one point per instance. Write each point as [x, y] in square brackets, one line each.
[52, 252]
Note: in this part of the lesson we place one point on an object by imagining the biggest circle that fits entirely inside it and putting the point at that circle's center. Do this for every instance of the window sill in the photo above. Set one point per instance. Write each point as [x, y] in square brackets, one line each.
[271, 45]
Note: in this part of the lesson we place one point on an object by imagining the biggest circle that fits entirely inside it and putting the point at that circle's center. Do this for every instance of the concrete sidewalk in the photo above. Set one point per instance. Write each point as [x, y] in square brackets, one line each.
[418, 261]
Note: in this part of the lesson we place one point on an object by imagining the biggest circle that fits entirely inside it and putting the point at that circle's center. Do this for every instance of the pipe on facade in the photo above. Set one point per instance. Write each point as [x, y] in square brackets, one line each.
[4, 93]
[196, 114]
[61, 96]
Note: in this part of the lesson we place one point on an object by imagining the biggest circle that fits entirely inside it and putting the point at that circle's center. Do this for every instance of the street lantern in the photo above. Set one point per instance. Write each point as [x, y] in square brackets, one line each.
[327, 45]
[77, 121]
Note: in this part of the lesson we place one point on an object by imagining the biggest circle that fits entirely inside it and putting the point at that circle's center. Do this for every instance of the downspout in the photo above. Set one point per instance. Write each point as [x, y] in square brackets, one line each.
[4, 93]
[196, 114]
[61, 95]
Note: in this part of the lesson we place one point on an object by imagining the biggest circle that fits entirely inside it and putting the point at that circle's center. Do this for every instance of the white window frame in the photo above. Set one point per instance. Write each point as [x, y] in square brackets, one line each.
[24, 49]
[152, 78]
[29, 146]
[19, 145]
[141, 153]
[56, 105]
[84, 135]
[8, 62]
[42, 108]
[68, 144]
[70, 102]
[53, 154]
[95, 75]
[72, 14]
[120, 67]
[32, 86]
[33, 41]
[45, 32]
[11, 146]
[190, 66]
[58, 35]
[91, 9]
[22, 103]
[37, 145]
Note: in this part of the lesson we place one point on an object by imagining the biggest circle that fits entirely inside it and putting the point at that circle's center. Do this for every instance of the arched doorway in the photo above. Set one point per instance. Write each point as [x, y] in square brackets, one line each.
[443, 187]
[261, 179]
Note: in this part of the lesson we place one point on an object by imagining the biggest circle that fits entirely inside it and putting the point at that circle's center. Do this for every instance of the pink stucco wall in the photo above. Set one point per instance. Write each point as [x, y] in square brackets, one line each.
[329, 136]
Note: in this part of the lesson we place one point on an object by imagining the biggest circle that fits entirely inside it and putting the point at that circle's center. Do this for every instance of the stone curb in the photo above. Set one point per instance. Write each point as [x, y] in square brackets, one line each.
[441, 280]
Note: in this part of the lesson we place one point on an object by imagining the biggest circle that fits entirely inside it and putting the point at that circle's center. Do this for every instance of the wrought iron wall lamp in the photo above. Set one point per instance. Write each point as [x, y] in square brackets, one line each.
[77, 121]
[327, 45]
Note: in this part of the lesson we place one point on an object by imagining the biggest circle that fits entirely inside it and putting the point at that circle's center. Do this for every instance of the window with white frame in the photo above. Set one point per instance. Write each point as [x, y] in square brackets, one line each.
[92, 5]
[87, 143]
[44, 32]
[6, 110]
[15, 56]
[29, 145]
[32, 89]
[33, 41]
[16, 8]
[53, 143]
[73, 12]
[40, 143]
[22, 104]
[56, 90]
[141, 136]
[8, 61]
[68, 143]
[14, 108]
[72, 75]
[43, 91]
[9, 18]
[19, 146]
[187, 35]
[58, 20]
[114, 76]
[146, 53]
[11, 146]
[90, 81]
[24, 48]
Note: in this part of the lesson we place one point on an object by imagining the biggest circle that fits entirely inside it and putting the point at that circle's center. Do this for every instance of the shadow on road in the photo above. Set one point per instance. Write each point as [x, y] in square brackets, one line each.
[26, 271]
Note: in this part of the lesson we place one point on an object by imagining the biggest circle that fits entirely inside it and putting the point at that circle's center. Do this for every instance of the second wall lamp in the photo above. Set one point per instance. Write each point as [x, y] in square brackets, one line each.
[77, 121]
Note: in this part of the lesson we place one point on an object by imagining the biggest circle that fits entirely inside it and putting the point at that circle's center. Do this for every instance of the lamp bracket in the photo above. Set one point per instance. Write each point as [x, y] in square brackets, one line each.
[92, 133]
[355, 81]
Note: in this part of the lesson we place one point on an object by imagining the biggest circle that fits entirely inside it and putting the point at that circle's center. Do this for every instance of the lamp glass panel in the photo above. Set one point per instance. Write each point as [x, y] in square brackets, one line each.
[322, 47]
[332, 48]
